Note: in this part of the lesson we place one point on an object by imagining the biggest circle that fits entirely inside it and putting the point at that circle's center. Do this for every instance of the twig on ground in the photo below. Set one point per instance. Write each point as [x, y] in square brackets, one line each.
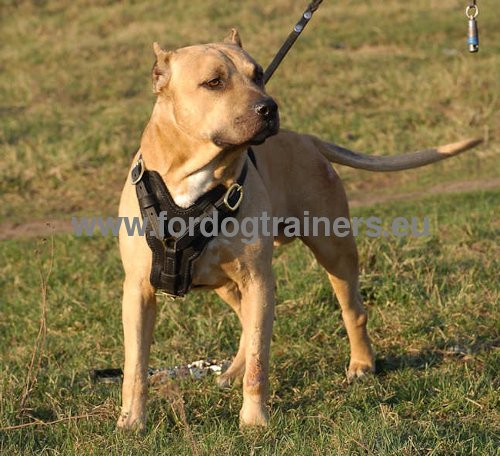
[170, 391]
[38, 348]
[97, 412]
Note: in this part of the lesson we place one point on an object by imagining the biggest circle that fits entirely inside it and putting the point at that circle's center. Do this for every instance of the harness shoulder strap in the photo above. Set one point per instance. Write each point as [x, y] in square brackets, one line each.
[174, 253]
[251, 155]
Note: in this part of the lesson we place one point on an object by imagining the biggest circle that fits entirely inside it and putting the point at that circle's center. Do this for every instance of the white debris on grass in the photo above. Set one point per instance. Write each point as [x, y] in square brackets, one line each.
[195, 370]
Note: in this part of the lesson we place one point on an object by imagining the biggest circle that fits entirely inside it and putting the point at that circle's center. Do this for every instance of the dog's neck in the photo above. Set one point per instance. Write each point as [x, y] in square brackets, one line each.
[189, 167]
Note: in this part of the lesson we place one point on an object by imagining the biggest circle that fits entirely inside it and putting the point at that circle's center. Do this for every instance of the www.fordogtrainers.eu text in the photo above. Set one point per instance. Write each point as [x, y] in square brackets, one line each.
[252, 228]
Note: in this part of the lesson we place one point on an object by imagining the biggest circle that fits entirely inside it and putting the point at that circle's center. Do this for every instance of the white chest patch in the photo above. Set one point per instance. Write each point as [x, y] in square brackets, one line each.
[197, 184]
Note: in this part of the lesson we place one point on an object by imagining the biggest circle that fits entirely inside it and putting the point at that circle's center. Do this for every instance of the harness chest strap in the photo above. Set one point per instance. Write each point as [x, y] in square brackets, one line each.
[174, 254]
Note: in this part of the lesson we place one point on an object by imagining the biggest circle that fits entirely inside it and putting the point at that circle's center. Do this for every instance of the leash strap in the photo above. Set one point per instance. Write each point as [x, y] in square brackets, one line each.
[297, 30]
[253, 158]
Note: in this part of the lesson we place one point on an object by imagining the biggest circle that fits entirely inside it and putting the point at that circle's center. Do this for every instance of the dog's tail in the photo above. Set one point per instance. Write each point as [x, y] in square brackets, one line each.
[343, 156]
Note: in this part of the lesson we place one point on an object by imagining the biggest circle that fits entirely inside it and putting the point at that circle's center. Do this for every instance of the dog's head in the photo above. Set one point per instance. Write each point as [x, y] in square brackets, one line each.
[216, 93]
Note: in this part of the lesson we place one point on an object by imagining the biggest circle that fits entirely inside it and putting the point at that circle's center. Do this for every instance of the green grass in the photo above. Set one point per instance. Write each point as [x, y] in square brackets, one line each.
[385, 77]
[432, 303]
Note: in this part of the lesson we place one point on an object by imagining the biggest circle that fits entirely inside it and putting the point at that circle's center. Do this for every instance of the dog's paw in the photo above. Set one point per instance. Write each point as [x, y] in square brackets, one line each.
[224, 381]
[359, 369]
[253, 415]
[127, 422]
[228, 380]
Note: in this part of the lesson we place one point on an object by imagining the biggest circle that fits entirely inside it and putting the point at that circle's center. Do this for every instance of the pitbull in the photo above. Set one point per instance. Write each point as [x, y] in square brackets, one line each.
[211, 106]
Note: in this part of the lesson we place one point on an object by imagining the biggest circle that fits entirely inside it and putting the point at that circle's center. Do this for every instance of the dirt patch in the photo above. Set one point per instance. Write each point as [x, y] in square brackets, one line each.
[39, 228]
[450, 187]
[44, 228]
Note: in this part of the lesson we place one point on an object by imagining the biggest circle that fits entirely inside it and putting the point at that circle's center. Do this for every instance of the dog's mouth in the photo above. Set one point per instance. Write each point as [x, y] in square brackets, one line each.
[269, 128]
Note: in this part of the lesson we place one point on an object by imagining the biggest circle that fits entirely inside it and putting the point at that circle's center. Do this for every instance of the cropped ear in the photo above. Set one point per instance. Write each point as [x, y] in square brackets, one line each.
[161, 68]
[233, 38]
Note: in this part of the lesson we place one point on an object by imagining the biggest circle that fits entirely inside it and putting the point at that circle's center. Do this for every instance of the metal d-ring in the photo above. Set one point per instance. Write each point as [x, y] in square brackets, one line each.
[141, 172]
[239, 189]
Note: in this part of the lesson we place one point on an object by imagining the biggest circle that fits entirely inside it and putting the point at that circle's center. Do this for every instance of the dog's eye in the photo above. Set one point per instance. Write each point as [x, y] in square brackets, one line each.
[215, 83]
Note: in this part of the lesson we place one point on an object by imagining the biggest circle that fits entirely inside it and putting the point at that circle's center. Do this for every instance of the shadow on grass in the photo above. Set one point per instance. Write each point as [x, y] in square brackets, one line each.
[458, 350]
[420, 361]
[43, 414]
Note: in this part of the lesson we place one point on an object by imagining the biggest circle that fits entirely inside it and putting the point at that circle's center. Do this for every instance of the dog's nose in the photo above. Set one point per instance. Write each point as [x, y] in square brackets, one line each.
[266, 108]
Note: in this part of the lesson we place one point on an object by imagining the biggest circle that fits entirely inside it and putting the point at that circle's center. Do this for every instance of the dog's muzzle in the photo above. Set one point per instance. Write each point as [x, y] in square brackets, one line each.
[267, 110]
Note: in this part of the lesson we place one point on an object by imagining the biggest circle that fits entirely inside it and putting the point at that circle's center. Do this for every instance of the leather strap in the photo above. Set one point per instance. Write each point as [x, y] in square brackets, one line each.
[173, 254]
[292, 37]
[252, 157]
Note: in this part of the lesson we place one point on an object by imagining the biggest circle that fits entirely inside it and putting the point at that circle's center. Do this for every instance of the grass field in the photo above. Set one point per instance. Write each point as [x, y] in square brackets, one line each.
[74, 98]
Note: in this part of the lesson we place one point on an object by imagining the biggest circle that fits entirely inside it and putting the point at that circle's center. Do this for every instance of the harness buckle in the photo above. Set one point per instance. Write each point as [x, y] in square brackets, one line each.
[234, 187]
[169, 242]
[140, 163]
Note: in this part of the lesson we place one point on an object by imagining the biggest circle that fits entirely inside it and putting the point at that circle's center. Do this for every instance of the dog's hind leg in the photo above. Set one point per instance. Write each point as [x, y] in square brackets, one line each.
[339, 256]
[139, 313]
[231, 295]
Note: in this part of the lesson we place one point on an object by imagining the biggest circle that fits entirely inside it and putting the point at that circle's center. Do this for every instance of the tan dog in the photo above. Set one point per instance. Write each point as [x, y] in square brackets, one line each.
[211, 105]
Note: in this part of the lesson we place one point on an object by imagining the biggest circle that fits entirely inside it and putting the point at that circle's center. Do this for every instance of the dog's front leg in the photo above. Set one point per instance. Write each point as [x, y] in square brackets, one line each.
[257, 311]
[138, 314]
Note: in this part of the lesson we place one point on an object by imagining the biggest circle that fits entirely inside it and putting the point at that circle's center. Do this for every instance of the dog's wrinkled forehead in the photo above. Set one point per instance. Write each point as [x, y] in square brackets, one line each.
[212, 60]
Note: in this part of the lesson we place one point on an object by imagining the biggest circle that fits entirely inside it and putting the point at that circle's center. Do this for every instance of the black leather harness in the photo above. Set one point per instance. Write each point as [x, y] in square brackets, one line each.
[174, 253]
